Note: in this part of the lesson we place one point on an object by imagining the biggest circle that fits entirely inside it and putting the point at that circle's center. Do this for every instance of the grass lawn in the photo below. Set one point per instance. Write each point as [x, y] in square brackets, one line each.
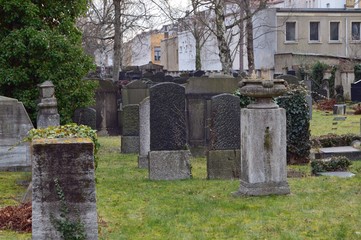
[132, 207]
[321, 124]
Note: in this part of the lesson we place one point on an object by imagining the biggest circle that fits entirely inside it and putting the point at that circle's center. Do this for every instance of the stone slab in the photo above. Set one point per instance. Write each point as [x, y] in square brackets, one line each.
[347, 151]
[337, 174]
[15, 158]
[130, 144]
[169, 165]
[223, 164]
[263, 189]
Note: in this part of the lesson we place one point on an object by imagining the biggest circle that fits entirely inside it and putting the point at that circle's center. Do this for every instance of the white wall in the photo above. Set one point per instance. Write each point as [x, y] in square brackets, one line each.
[314, 3]
[265, 38]
[141, 52]
[186, 51]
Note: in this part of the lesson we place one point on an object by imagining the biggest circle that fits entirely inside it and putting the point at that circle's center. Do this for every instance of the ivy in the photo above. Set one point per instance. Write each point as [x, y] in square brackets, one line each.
[66, 131]
[69, 229]
[298, 124]
[333, 164]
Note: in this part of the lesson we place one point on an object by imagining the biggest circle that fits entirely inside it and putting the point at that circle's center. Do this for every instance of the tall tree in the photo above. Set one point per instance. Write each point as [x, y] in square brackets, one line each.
[39, 41]
[229, 17]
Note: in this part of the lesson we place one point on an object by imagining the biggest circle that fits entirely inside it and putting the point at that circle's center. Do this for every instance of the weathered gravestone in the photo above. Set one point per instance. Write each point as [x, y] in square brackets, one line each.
[14, 125]
[48, 106]
[144, 133]
[130, 137]
[168, 78]
[223, 156]
[168, 157]
[356, 91]
[134, 92]
[290, 79]
[199, 91]
[63, 187]
[86, 116]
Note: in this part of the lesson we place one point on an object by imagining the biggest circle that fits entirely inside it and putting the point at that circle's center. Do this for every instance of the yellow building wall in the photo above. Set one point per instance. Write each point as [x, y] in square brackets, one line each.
[155, 40]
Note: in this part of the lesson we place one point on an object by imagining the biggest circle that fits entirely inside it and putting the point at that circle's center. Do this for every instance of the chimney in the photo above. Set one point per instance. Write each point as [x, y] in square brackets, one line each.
[350, 4]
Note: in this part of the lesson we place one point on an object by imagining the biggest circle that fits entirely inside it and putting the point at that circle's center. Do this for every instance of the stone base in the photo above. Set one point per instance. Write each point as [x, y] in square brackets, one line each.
[17, 159]
[262, 189]
[143, 162]
[339, 109]
[223, 164]
[130, 144]
[169, 165]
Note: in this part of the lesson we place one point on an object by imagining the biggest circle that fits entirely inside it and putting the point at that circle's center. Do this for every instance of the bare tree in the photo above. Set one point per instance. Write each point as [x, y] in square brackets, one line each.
[229, 17]
[109, 23]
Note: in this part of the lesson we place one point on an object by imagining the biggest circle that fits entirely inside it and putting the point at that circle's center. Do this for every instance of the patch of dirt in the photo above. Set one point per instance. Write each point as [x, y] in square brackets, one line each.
[16, 218]
[291, 173]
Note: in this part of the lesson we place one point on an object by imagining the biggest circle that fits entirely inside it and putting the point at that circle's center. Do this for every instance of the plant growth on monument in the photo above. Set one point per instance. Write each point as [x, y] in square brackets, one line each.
[39, 42]
[298, 124]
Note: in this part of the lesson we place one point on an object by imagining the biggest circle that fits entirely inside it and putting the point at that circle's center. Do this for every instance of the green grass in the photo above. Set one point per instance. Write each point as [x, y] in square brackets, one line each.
[321, 124]
[132, 207]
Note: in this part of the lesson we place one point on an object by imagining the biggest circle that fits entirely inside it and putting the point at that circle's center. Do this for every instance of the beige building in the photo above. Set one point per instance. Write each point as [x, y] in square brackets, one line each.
[332, 36]
[170, 58]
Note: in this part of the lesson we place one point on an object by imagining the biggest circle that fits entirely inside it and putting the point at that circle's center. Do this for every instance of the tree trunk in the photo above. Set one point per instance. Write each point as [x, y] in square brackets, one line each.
[117, 40]
[250, 50]
[224, 51]
[198, 54]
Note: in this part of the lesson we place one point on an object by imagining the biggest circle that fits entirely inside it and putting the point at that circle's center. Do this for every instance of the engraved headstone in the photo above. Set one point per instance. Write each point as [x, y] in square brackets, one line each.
[167, 117]
[168, 159]
[130, 137]
[223, 158]
[14, 125]
[86, 116]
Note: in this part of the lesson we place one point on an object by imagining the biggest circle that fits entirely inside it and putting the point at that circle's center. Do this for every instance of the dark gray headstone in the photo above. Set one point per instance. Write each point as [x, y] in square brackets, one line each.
[167, 117]
[180, 80]
[291, 79]
[225, 122]
[199, 73]
[86, 116]
[168, 78]
[159, 77]
[131, 120]
[356, 91]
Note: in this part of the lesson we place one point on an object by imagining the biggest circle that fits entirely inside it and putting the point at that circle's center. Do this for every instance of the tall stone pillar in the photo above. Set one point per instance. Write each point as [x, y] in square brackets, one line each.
[263, 140]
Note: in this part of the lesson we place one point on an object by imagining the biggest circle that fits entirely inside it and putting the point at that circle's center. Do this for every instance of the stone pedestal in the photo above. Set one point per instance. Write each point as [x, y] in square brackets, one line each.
[63, 187]
[263, 152]
[48, 107]
[339, 109]
[169, 165]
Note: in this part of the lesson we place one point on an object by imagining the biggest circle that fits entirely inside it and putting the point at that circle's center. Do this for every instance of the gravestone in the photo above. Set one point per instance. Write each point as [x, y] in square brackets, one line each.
[356, 91]
[63, 184]
[290, 79]
[199, 73]
[199, 91]
[168, 159]
[144, 133]
[86, 116]
[14, 126]
[48, 106]
[180, 80]
[339, 109]
[134, 92]
[168, 78]
[223, 156]
[159, 77]
[130, 137]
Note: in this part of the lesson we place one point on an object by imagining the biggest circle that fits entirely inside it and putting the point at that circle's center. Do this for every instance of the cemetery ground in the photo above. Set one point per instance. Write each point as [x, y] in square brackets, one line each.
[132, 207]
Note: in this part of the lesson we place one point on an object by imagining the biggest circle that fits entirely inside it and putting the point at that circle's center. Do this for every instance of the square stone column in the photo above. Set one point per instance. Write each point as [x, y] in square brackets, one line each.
[263, 152]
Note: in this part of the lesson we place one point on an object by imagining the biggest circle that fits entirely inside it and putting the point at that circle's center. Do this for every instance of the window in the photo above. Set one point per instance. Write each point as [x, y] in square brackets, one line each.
[314, 31]
[355, 31]
[157, 54]
[334, 31]
[290, 31]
